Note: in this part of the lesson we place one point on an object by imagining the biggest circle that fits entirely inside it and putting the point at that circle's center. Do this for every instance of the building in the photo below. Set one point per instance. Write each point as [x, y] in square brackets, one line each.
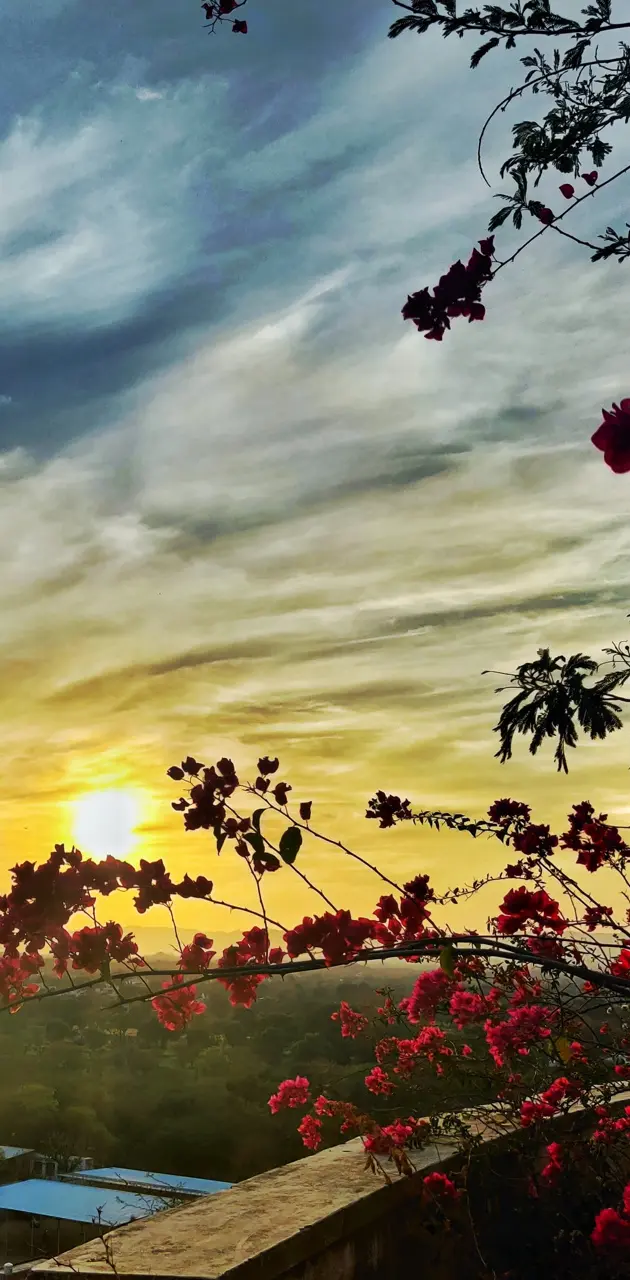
[42, 1216]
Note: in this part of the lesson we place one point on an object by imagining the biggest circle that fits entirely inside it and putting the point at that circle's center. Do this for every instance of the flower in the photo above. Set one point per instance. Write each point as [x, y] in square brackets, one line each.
[378, 1081]
[351, 1022]
[388, 809]
[506, 811]
[468, 1006]
[535, 841]
[458, 293]
[178, 1006]
[310, 1131]
[522, 905]
[546, 215]
[439, 1185]
[567, 190]
[613, 437]
[430, 990]
[591, 178]
[240, 26]
[611, 1232]
[552, 1170]
[291, 1094]
[523, 1027]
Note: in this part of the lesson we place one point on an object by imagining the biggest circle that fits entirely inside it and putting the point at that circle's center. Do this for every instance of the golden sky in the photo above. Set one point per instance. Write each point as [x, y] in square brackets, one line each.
[243, 508]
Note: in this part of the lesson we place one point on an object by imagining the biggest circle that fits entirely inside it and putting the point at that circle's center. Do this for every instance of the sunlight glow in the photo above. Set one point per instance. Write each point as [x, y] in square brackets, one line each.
[104, 823]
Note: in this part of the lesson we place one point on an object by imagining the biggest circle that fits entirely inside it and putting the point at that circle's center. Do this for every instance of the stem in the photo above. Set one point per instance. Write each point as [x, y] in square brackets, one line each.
[326, 839]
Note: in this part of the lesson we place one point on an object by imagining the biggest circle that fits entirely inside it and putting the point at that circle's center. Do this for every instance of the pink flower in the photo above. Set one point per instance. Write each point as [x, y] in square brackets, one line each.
[291, 1093]
[613, 437]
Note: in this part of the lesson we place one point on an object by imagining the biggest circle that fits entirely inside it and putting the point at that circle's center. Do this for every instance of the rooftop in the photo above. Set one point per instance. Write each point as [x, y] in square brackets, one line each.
[152, 1181]
[43, 1198]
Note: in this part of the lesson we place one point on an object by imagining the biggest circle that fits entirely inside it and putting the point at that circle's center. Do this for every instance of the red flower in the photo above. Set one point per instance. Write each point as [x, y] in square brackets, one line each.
[546, 215]
[567, 190]
[507, 811]
[351, 1022]
[467, 1006]
[535, 841]
[438, 1184]
[613, 437]
[266, 765]
[197, 955]
[458, 293]
[388, 809]
[177, 1007]
[339, 937]
[429, 991]
[280, 792]
[525, 1026]
[378, 1081]
[611, 1232]
[522, 905]
[591, 178]
[291, 1093]
[553, 1169]
[241, 28]
[310, 1128]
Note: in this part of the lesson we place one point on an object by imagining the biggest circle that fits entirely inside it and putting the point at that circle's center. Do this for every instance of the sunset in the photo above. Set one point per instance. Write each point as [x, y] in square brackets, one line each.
[246, 508]
[270, 560]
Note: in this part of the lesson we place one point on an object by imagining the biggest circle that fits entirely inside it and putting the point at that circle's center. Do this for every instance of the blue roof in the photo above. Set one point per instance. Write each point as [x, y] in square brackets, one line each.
[153, 1181]
[44, 1198]
[10, 1152]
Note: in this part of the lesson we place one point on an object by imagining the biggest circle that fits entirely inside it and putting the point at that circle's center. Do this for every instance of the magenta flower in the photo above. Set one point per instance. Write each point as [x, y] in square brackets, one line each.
[613, 437]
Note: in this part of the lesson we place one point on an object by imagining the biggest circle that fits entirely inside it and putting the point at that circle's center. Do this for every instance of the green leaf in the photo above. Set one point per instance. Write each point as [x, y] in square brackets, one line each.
[447, 961]
[290, 844]
[256, 842]
[256, 819]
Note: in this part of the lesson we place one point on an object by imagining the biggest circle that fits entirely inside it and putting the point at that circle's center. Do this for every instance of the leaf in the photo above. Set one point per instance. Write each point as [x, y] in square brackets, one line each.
[499, 218]
[563, 1049]
[256, 842]
[482, 51]
[447, 961]
[290, 844]
[256, 818]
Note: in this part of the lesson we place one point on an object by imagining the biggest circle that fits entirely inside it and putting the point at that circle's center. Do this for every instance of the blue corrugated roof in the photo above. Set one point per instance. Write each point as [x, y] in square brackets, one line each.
[10, 1152]
[174, 1181]
[44, 1198]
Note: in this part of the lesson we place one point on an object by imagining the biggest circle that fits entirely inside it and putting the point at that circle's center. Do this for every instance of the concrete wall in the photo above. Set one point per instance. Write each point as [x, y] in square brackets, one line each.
[325, 1217]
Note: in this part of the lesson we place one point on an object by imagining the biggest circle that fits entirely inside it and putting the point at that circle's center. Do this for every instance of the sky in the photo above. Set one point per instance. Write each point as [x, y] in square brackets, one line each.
[244, 508]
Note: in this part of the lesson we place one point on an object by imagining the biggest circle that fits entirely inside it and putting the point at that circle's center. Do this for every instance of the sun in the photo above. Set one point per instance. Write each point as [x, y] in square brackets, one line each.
[104, 822]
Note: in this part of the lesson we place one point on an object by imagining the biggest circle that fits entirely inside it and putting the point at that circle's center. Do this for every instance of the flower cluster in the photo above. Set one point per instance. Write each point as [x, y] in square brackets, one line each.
[458, 293]
[179, 1004]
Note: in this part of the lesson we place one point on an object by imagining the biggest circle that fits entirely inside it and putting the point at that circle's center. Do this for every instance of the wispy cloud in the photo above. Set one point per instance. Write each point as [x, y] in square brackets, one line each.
[242, 503]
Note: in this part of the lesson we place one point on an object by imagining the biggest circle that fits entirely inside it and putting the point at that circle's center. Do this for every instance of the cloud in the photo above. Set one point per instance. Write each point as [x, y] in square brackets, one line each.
[242, 502]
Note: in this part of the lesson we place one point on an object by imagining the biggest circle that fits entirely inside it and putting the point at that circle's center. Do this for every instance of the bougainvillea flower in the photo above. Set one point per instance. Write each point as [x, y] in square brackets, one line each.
[613, 437]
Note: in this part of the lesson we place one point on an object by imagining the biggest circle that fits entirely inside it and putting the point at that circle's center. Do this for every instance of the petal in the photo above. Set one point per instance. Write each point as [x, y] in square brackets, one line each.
[625, 406]
[618, 462]
[603, 437]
